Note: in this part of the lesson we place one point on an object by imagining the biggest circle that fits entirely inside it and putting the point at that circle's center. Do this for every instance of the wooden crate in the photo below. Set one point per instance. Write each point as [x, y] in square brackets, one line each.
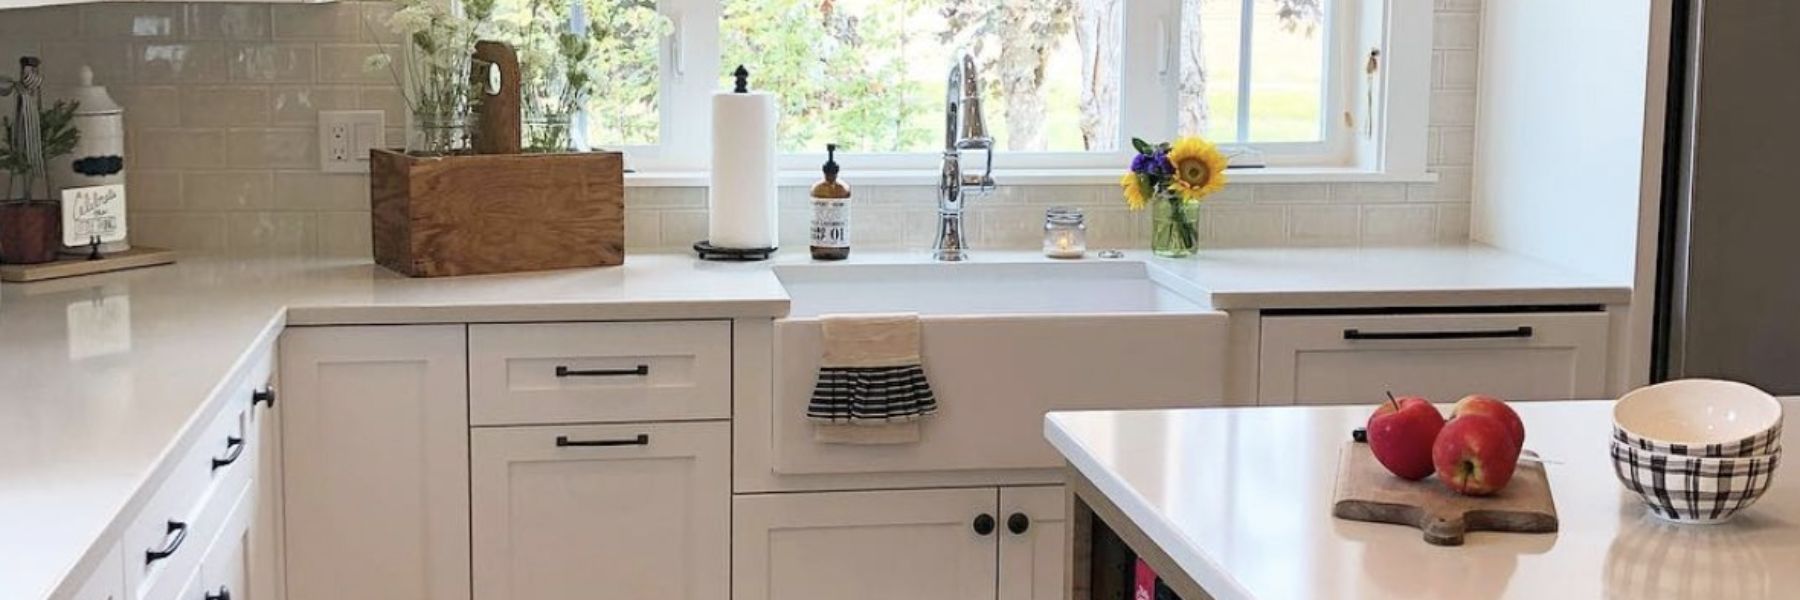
[467, 215]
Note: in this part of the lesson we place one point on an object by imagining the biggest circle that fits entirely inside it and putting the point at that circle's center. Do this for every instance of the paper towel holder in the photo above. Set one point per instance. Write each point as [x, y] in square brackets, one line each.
[707, 251]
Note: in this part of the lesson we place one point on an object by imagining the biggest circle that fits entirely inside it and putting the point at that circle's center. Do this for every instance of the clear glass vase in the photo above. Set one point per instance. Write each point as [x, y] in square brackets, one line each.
[1174, 225]
[440, 133]
[547, 133]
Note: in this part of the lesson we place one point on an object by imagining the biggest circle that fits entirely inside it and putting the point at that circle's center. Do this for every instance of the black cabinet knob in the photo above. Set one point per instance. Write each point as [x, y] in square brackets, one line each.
[263, 396]
[1018, 523]
[224, 593]
[984, 524]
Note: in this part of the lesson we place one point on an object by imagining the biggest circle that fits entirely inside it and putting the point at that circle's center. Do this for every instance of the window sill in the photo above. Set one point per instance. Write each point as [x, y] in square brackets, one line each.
[1042, 177]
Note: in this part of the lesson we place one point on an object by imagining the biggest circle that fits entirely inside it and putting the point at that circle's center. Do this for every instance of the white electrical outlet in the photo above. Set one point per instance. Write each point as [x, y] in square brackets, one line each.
[345, 138]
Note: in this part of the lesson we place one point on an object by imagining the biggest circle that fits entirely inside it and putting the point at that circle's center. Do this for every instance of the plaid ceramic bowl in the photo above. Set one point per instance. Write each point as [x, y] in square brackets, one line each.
[1693, 489]
[1699, 417]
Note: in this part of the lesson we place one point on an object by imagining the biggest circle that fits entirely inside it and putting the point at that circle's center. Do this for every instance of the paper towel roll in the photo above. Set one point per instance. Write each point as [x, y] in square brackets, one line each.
[742, 202]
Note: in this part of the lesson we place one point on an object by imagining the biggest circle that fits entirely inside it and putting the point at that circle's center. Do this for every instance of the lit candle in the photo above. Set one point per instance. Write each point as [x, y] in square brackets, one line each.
[1065, 233]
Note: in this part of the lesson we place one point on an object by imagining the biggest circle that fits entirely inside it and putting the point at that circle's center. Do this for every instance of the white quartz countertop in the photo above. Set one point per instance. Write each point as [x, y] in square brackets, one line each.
[1241, 500]
[1265, 278]
[100, 375]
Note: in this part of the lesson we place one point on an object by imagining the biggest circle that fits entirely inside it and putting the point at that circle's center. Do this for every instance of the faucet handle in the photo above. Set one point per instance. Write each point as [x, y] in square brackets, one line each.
[983, 181]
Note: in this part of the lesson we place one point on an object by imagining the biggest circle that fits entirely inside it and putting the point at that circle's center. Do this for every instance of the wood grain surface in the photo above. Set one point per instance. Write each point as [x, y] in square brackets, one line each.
[75, 266]
[1368, 492]
[501, 130]
[467, 215]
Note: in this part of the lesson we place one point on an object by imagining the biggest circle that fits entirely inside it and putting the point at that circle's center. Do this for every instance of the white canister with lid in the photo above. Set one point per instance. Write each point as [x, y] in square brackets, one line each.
[99, 156]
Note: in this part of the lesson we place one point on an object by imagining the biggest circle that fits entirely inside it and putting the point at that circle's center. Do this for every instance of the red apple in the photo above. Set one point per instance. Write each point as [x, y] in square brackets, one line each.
[1475, 455]
[1478, 404]
[1401, 433]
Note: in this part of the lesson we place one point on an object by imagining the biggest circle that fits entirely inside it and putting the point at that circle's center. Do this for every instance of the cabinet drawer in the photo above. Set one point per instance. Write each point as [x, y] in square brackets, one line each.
[599, 372]
[1357, 359]
[651, 502]
[219, 456]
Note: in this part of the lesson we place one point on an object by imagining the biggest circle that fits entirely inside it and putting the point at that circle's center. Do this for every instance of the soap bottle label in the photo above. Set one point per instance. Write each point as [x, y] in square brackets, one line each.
[831, 223]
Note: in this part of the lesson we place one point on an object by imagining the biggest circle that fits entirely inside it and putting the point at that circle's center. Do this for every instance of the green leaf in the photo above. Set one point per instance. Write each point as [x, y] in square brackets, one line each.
[1142, 146]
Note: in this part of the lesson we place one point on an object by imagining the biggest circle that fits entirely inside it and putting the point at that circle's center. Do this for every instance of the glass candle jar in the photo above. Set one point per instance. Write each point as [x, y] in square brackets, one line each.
[1065, 233]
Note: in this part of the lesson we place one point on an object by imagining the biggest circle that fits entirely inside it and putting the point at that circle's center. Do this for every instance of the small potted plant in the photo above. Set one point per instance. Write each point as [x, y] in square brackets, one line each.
[1170, 180]
[31, 223]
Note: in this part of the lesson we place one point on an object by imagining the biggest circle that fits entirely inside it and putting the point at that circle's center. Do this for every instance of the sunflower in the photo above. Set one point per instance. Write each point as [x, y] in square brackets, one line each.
[1199, 168]
[1136, 196]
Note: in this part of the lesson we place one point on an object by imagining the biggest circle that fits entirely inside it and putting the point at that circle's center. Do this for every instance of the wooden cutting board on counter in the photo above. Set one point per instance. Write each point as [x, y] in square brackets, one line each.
[1366, 491]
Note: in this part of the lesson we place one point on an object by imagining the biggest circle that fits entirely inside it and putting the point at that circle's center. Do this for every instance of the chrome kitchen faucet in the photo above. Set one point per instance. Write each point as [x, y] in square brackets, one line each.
[964, 129]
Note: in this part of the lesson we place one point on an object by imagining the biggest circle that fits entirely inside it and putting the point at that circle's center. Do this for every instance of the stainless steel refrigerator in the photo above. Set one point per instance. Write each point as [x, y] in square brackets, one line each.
[1729, 268]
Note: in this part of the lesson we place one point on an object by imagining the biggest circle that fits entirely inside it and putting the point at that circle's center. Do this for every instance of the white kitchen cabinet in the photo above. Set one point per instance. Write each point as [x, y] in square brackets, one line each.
[374, 434]
[874, 545]
[549, 373]
[1032, 525]
[225, 570]
[1350, 359]
[617, 511]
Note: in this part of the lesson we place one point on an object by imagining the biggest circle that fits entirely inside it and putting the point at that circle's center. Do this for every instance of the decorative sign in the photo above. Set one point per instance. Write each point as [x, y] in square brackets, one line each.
[93, 211]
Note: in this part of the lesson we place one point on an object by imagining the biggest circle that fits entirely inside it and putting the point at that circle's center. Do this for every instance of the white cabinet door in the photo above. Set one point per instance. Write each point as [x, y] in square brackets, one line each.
[1032, 522]
[883, 545]
[613, 511]
[1357, 359]
[225, 572]
[374, 434]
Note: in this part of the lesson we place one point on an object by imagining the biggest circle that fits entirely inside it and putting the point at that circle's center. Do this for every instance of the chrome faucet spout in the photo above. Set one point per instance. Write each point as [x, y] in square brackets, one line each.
[965, 128]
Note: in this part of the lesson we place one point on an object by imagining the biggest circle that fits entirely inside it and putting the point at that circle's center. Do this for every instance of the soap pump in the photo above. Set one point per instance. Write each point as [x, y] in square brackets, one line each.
[831, 212]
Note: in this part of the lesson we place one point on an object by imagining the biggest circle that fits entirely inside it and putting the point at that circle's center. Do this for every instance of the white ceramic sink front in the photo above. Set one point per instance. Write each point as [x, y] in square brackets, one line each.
[1003, 342]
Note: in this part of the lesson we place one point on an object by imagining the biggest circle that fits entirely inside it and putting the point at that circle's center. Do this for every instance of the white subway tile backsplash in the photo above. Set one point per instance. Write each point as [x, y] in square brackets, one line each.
[224, 106]
[1394, 225]
[222, 102]
[228, 190]
[1324, 226]
[228, 21]
[272, 63]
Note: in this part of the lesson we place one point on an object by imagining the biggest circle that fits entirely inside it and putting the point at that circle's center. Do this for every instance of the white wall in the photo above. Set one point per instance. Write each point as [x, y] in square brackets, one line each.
[1559, 160]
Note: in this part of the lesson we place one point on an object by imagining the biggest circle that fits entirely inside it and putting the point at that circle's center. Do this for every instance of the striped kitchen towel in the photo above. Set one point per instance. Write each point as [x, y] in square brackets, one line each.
[872, 387]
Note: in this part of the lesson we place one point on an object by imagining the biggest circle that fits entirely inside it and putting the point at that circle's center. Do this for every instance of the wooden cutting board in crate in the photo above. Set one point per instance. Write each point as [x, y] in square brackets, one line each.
[1366, 491]
[474, 214]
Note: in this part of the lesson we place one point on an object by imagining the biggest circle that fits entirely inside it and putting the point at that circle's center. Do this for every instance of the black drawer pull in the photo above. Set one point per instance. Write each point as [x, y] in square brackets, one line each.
[640, 371]
[263, 396]
[177, 529]
[563, 441]
[234, 448]
[1483, 334]
[224, 593]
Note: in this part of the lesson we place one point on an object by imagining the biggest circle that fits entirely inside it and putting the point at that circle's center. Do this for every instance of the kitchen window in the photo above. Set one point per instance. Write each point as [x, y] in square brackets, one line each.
[1280, 83]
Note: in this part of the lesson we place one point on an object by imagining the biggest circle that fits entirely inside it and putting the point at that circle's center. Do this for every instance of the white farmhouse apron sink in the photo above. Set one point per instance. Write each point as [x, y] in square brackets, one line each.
[1002, 343]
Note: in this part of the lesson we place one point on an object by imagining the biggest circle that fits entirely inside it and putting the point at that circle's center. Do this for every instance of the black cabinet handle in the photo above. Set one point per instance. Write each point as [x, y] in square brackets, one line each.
[1018, 523]
[563, 441]
[263, 396]
[234, 448]
[177, 529]
[984, 524]
[641, 370]
[1482, 334]
[224, 593]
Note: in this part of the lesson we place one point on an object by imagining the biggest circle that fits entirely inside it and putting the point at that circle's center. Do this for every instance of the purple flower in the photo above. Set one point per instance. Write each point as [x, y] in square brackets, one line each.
[1142, 163]
[1161, 166]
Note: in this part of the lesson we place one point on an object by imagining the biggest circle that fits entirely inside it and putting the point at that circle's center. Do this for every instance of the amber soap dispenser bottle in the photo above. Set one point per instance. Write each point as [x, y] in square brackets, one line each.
[830, 212]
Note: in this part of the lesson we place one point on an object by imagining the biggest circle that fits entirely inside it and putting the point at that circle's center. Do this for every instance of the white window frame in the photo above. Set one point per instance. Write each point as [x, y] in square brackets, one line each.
[1395, 150]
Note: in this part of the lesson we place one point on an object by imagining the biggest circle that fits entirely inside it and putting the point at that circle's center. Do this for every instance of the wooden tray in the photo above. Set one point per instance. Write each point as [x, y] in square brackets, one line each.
[75, 266]
[1368, 492]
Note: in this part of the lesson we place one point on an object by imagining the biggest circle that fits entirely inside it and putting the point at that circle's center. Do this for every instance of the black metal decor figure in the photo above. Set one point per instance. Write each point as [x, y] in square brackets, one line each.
[27, 131]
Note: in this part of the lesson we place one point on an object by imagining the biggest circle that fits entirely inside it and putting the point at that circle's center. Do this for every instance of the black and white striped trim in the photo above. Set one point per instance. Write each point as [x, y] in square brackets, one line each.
[889, 394]
[1767, 442]
[1687, 488]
